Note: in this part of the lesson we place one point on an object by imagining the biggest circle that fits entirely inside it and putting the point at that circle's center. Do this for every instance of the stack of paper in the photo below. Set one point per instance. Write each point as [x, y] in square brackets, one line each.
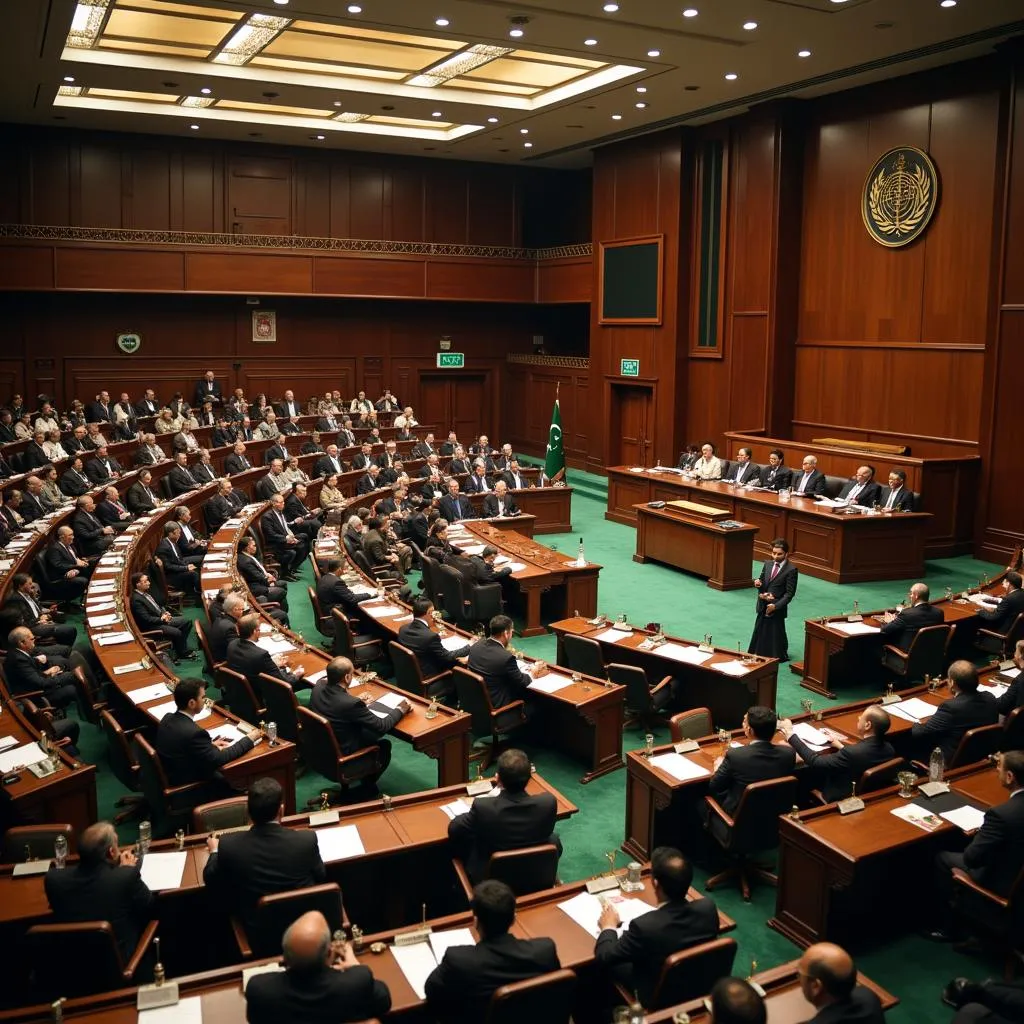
[585, 909]
[272, 646]
[382, 611]
[678, 766]
[185, 1011]
[339, 843]
[814, 738]
[968, 818]
[30, 753]
[228, 732]
[613, 636]
[146, 693]
[689, 655]
[389, 700]
[854, 628]
[7, 741]
[163, 870]
[316, 677]
[912, 710]
[113, 638]
[732, 668]
[96, 621]
[455, 808]
[516, 566]
[550, 682]
[454, 643]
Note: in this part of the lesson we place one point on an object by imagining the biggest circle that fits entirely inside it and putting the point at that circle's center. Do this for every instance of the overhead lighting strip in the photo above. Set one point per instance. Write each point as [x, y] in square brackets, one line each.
[250, 37]
[458, 64]
[86, 23]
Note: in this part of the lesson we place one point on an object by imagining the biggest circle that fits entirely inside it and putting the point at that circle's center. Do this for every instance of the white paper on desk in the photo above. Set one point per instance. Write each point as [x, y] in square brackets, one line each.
[272, 646]
[216, 575]
[455, 808]
[29, 753]
[473, 549]
[967, 818]
[389, 699]
[132, 666]
[317, 676]
[679, 767]
[7, 741]
[516, 566]
[984, 600]
[854, 628]
[585, 909]
[162, 709]
[228, 732]
[226, 544]
[232, 522]
[106, 570]
[912, 710]
[5, 564]
[550, 682]
[96, 621]
[417, 963]
[454, 643]
[163, 870]
[690, 655]
[1010, 673]
[105, 587]
[811, 736]
[501, 559]
[441, 942]
[99, 606]
[612, 636]
[732, 668]
[339, 843]
[996, 689]
[145, 693]
[381, 611]
[113, 638]
[185, 1011]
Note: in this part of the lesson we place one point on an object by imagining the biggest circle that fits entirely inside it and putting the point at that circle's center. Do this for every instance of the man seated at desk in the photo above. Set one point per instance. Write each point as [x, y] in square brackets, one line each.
[322, 982]
[636, 957]
[27, 670]
[901, 629]
[966, 709]
[511, 820]
[828, 980]
[844, 765]
[810, 481]
[247, 658]
[491, 659]
[333, 592]
[862, 489]
[1014, 696]
[898, 496]
[776, 476]
[1000, 618]
[498, 503]
[708, 466]
[459, 989]
[151, 616]
[744, 471]
[105, 885]
[455, 506]
[267, 858]
[433, 657]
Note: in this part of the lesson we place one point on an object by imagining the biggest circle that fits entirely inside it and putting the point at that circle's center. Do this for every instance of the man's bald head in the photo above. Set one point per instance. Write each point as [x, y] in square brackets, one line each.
[306, 943]
[98, 843]
[735, 1001]
[919, 592]
[827, 974]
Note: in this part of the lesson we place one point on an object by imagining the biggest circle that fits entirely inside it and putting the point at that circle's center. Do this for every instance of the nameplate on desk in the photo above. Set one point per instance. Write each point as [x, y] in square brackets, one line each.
[602, 884]
[324, 818]
[479, 788]
[31, 867]
[686, 747]
[854, 618]
[850, 805]
[1005, 666]
[151, 996]
[933, 788]
[891, 698]
[40, 769]
[413, 937]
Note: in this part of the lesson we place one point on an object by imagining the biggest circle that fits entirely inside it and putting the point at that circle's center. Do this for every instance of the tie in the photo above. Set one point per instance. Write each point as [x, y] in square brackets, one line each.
[153, 604]
[284, 523]
[803, 482]
[892, 499]
[33, 606]
[175, 550]
[775, 572]
[149, 494]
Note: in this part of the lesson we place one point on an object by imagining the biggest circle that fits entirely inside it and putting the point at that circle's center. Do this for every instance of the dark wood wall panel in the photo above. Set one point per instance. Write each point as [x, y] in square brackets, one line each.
[568, 280]
[148, 190]
[249, 275]
[529, 396]
[110, 271]
[367, 276]
[26, 267]
[497, 281]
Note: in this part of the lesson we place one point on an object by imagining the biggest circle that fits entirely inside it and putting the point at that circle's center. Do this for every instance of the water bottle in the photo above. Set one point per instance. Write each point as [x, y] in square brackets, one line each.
[936, 766]
[145, 838]
[60, 851]
[581, 558]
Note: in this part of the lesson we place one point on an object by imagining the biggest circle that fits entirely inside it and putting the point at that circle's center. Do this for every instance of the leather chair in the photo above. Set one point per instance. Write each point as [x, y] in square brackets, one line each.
[431, 579]
[281, 706]
[82, 959]
[485, 719]
[691, 725]
[360, 650]
[170, 806]
[644, 703]
[1000, 917]
[172, 598]
[453, 595]
[1013, 730]
[583, 655]
[382, 575]
[324, 623]
[976, 745]
[221, 815]
[880, 776]
[276, 912]
[322, 754]
[34, 842]
[410, 678]
[124, 765]
[753, 828]
[239, 695]
[1001, 644]
[529, 869]
[316, 565]
[927, 654]
[484, 600]
[545, 999]
[690, 973]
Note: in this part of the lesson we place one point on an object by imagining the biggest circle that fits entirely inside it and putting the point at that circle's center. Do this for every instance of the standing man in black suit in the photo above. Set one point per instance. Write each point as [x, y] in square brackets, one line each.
[455, 506]
[1000, 618]
[810, 481]
[510, 821]
[743, 471]
[636, 957]
[267, 858]
[968, 708]
[776, 476]
[207, 390]
[862, 489]
[839, 769]
[828, 980]
[105, 885]
[433, 657]
[758, 760]
[151, 616]
[187, 752]
[459, 989]
[354, 724]
[321, 983]
[901, 629]
[898, 497]
[247, 658]
[776, 588]
[491, 659]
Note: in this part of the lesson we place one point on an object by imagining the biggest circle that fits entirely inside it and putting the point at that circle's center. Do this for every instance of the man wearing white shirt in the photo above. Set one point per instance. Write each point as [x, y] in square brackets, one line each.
[744, 472]
[810, 481]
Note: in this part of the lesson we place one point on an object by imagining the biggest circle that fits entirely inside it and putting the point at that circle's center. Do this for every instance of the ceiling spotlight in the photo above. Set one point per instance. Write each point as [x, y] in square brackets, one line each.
[337, 103]
[641, 88]
[436, 113]
[206, 90]
[750, 25]
[194, 127]
[442, 22]
[518, 23]
[610, 8]
[690, 12]
[948, 3]
[616, 117]
[354, 9]
[654, 53]
[492, 120]
[641, 106]
[516, 33]
[590, 42]
[69, 78]
[281, 3]
[318, 138]
[731, 77]
[803, 53]
[528, 145]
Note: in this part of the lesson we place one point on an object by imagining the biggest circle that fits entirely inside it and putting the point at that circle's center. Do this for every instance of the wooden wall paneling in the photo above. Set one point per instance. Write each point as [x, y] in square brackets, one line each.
[366, 201]
[340, 183]
[11, 173]
[201, 191]
[313, 198]
[259, 195]
[106, 270]
[50, 196]
[100, 187]
[249, 274]
[26, 267]
[490, 281]
[370, 275]
[85, 378]
[408, 204]
[749, 372]
[493, 208]
[12, 379]
[148, 190]
[447, 203]
[306, 377]
[565, 280]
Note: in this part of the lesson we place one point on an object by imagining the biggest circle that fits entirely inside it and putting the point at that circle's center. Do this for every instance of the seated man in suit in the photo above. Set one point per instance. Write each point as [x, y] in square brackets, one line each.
[148, 405]
[708, 466]
[460, 465]
[810, 481]
[355, 726]
[425, 448]
[455, 506]
[225, 611]
[1014, 695]
[512, 820]
[387, 402]
[289, 406]
[32, 507]
[363, 459]
[491, 659]
[203, 471]
[180, 479]
[498, 503]
[636, 957]
[828, 980]
[25, 597]
[369, 481]
[839, 769]
[67, 574]
[479, 569]
[103, 467]
[35, 455]
[73, 481]
[180, 571]
[516, 478]
[26, 670]
[743, 471]
[237, 461]
[260, 581]
[477, 482]
[105, 885]
[99, 411]
[289, 548]
[312, 446]
[152, 616]
[329, 463]
[900, 630]
[111, 512]
[776, 476]
[266, 858]
[187, 752]
[149, 453]
[207, 390]
[301, 518]
[322, 982]
[758, 760]
[332, 591]
[898, 496]
[192, 544]
[90, 534]
[220, 508]
[862, 489]
[247, 658]
[431, 654]
[459, 989]
[1002, 616]
[968, 708]
[346, 435]
[223, 435]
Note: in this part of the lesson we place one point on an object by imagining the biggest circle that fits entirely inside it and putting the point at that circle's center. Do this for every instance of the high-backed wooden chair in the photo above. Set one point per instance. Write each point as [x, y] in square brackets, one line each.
[691, 725]
[1001, 644]
[545, 999]
[410, 678]
[282, 707]
[526, 870]
[239, 695]
[583, 655]
[218, 815]
[275, 913]
[691, 973]
[927, 654]
[124, 765]
[170, 806]
[322, 754]
[34, 842]
[486, 720]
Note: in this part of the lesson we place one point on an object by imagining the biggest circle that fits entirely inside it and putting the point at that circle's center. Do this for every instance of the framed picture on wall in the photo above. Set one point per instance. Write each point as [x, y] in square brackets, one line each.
[264, 326]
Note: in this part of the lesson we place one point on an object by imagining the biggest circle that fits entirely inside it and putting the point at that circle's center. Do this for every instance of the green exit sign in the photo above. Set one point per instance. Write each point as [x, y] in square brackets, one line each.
[629, 367]
[451, 360]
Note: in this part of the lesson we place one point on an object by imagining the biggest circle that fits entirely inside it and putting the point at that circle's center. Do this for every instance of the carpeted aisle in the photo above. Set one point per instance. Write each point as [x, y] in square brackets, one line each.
[912, 968]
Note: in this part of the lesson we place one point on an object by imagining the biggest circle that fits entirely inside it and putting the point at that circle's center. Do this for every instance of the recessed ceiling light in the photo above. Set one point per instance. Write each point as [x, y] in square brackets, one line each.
[616, 117]
[337, 103]
[803, 53]
[318, 138]
[654, 53]
[948, 3]
[442, 22]
[750, 25]
[281, 3]
[731, 77]
[194, 127]
[524, 131]
[641, 106]
[610, 8]
[515, 32]
[436, 113]
[528, 145]
[690, 12]
[492, 120]
[590, 42]
[206, 90]
[69, 78]
[641, 88]
[354, 9]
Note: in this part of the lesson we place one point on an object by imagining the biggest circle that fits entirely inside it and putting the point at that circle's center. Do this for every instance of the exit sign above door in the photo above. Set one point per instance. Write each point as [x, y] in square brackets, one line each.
[451, 360]
[629, 367]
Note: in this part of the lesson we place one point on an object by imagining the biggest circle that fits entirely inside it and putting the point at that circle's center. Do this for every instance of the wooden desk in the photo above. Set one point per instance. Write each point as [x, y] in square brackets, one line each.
[551, 507]
[701, 685]
[724, 556]
[833, 546]
[869, 873]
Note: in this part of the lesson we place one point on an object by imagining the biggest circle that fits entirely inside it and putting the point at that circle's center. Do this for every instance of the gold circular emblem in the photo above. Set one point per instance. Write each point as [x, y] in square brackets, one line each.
[900, 195]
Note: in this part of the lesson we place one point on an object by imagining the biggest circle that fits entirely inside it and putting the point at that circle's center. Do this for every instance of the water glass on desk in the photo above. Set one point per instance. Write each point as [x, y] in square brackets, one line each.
[60, 851]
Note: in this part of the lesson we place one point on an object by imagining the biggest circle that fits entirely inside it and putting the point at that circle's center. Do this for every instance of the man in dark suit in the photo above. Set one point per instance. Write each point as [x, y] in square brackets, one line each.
[862, 489]
[433, 657]
[842, 767]
[223, 629]
[329, 463]
[140, 498]
[207, 390]
[498, 503]
[25, 670]
[1000, 618]
[455, 506]
[149, 453]
[828, 980]
[1014, 695]
[449, 447]
[67, 574]
[636, 957]
[898, 496]
[369, 481]
[73, 481]
[203, 472]
[776, 476]
[477, 482]
[262, 583]
[34, 615]
[78, 442]
[743, 471]
[180, 479]
[510, 821]
[220, 508]
[247, 658]
[491, 659]
[460, 465]
[966, 709]
[289, 548]
[237, 461]
[425, 448]
[312, 446]
[278, 450]
[32, 507]
[151, 616]
[758, 760]
[111, 511]
[192, 544]
[776, 588]
[289, 406]
[810, 481]
[178, 569]
[901, 629]
[346, 435]
[515, 478]
[35, 454]
[90, 534]
[321, 983]
[479, 569]
[987, 1002]
[148, 404]
[105, 885]
[459, 989]
[187, 752]
[223, 435]
[102, 468]
[268, 858]
[305, 522]
[332, 591]
[354, 723]
[99, 411]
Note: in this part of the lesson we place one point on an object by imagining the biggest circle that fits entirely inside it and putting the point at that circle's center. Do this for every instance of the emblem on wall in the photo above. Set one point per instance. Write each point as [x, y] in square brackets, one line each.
[900, 195]
[264, 326]
[129, 343]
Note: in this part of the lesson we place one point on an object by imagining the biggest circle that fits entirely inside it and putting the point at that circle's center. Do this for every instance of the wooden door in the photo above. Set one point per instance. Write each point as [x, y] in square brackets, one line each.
[630, 443]
[259, 196]
[456, 401]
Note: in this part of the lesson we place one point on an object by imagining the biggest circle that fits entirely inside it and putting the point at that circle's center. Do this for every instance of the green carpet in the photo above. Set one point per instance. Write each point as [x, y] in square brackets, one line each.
[910, 968]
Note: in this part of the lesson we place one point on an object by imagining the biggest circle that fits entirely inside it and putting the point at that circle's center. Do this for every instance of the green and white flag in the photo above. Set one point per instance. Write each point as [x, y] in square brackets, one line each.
[554, 460]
